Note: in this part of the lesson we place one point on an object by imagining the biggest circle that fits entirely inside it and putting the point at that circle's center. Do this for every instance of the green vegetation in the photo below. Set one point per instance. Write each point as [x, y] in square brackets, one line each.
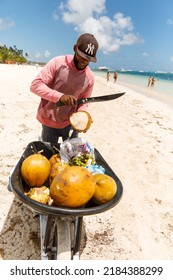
[12, 55]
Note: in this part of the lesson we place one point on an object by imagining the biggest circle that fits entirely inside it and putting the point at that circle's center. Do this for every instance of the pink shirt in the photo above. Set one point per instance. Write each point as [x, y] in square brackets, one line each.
[58, 77]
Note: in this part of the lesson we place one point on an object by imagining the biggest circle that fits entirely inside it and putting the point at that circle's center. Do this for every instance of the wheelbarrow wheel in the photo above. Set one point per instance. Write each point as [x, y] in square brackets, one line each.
[63, 240]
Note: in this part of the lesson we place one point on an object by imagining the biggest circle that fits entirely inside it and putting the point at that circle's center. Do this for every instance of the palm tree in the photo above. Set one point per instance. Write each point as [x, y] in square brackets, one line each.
[11, 53]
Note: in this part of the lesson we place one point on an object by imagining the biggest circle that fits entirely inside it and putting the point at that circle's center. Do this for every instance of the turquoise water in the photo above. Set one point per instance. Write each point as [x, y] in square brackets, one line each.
[163, 87]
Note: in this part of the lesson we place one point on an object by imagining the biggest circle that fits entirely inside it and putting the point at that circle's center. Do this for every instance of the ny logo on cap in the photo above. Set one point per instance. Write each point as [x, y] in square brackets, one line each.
[90, 49]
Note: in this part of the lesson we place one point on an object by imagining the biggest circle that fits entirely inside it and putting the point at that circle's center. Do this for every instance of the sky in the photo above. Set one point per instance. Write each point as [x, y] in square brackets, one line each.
[132, 34]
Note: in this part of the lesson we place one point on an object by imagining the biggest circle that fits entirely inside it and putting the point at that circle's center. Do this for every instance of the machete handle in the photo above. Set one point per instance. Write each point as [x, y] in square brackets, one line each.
[59, 103]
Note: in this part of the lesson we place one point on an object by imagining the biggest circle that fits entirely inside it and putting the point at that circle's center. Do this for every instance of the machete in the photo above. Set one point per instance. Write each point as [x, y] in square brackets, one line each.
[94, 99]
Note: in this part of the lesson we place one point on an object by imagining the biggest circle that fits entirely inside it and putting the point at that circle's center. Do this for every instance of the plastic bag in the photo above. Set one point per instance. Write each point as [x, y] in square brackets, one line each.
[74, 147]
[95, 169]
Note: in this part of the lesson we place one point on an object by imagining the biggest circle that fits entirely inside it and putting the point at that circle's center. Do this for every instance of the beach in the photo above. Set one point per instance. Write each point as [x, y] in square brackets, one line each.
[133, 134]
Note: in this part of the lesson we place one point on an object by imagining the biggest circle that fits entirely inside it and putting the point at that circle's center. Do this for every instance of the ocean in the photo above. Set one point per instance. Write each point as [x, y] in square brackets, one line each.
[138, 81]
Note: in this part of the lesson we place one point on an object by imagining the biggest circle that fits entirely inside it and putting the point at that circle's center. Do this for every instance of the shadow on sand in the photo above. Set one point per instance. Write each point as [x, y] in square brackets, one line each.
[20, 235]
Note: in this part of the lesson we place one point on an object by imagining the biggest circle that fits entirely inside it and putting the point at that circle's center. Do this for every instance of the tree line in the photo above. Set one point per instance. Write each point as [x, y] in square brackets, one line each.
[12, 55]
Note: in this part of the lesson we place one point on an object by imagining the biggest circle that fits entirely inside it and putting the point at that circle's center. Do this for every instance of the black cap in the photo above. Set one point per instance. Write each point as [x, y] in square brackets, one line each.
[87, 46]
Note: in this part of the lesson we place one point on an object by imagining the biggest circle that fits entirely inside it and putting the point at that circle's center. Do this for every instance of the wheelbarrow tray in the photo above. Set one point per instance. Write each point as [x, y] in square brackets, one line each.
[18, 185]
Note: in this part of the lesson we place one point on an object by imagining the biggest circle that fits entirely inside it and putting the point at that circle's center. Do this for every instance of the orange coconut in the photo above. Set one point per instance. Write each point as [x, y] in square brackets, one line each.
[73, 187]
[81, 121]
[35, 170]
[106, 188]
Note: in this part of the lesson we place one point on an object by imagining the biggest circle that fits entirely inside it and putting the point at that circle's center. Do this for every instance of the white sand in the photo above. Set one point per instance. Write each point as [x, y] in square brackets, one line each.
[133, 134]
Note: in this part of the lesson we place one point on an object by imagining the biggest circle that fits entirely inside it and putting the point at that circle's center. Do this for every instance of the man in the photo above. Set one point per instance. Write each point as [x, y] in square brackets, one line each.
[66, 79]
[115, 76]
[108, 76]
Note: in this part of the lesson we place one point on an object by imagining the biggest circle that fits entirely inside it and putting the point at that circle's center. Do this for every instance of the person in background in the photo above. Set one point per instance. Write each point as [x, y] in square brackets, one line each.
[149, 81]
[115, 76]
[152, 82]
[64, 78]
[107, 76]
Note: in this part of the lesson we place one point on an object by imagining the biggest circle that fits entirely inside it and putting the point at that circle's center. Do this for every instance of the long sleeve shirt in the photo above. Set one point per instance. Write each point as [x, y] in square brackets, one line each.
[58, 77]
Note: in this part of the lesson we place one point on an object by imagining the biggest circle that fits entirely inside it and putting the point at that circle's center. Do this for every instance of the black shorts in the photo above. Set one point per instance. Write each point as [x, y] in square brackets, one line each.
[52, 135]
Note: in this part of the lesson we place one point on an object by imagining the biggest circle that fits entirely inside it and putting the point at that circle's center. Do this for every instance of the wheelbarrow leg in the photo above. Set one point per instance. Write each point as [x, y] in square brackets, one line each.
[46, 223]
[63, 240]
[77, 236]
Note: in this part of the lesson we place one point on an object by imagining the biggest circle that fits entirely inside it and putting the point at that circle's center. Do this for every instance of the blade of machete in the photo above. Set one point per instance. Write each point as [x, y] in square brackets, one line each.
[94, 99]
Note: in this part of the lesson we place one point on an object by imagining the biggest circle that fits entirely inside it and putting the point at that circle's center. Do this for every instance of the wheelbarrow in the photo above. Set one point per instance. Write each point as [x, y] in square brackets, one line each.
[60, 228]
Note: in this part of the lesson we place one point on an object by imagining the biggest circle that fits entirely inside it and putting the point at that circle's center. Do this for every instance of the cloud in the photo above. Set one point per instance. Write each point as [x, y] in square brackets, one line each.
[145, 54]
[169, 21]
[74, 13]
[55, 16]
[171, 58]
[46, 53]
[6, 23]
[90, 16]
[38, 55]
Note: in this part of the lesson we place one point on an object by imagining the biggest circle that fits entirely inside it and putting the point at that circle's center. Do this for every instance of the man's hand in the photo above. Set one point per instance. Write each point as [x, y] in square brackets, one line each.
[68, 100]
